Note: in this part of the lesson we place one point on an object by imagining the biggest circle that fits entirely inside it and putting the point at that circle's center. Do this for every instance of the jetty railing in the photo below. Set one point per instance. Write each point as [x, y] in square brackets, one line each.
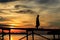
[50, 31]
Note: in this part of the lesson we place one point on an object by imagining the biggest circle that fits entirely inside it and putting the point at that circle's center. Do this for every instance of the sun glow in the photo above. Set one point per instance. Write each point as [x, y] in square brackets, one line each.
[12, 25]
[11, 38]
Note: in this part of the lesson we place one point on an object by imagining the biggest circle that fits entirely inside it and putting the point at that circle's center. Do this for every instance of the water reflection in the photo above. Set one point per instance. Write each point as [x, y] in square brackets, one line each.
[17, 37]
[14, 37]
[6, 37]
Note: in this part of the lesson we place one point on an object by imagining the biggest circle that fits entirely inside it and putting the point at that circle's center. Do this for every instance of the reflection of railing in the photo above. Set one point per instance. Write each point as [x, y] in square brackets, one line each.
[51, 31]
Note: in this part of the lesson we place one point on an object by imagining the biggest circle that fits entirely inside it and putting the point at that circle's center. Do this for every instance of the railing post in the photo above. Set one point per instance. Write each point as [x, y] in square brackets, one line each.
[9, 35]
[58, 36]
[54, 36]
[32, 34]
[27, 34]
[2, 34]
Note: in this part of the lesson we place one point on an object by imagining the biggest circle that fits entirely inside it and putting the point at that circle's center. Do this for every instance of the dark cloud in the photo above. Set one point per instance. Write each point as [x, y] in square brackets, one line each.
[56, 10]
[24, 6]
[42, 1]
[55, 23]
[46, 1]
[26, 11]
[2, 12]
[3, 1]
[3, 25]
[3, 19]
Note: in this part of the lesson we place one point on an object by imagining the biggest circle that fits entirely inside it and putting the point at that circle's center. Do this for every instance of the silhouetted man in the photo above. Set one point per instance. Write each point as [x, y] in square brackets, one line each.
[37, 21]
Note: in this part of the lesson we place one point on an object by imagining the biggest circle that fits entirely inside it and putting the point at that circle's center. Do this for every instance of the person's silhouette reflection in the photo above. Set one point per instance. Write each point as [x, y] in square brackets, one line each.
[37, 21]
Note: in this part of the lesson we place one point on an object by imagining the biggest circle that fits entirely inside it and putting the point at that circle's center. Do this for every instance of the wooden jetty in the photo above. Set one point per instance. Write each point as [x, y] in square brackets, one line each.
[56, 32]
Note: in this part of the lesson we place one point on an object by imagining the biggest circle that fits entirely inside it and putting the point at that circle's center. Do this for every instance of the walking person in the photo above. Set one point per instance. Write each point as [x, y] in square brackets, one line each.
[37, 21]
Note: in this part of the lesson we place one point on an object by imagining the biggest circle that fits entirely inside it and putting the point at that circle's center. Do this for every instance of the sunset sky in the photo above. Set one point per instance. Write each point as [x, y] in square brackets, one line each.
[22, 13]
